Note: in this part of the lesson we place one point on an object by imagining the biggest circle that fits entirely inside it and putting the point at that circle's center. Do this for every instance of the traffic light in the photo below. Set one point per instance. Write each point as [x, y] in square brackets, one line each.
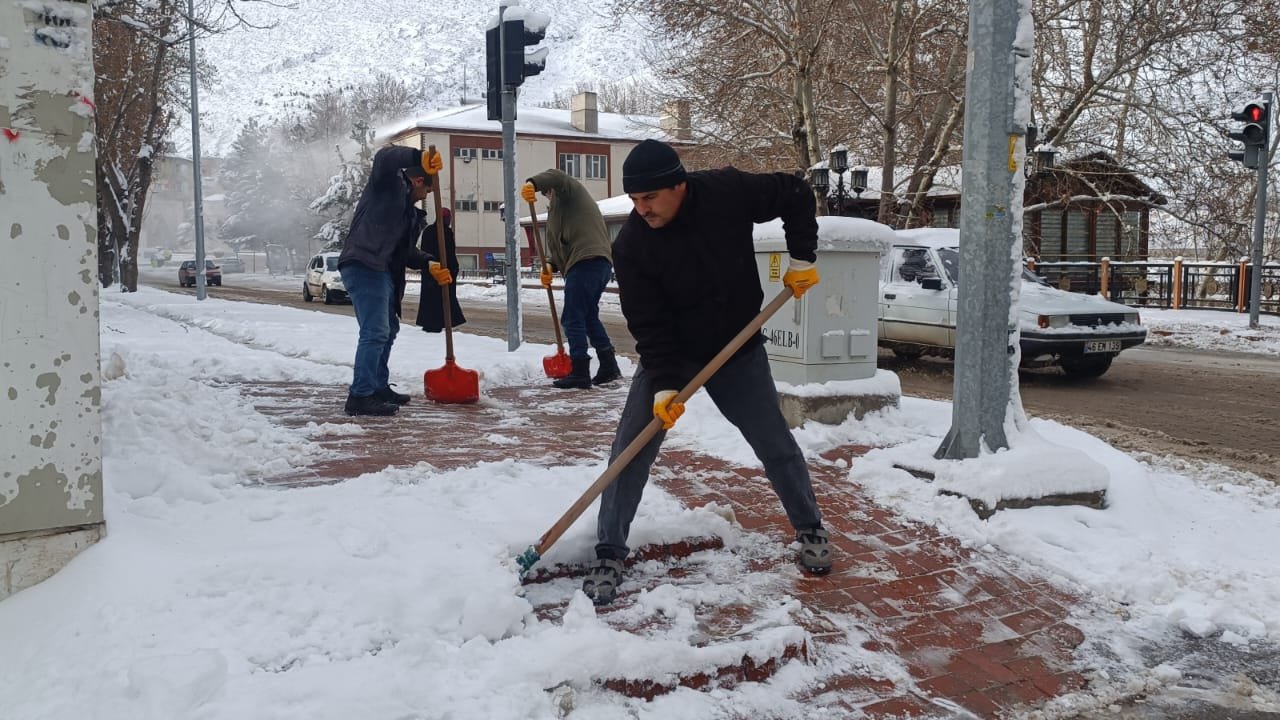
[520, 29]
[1255, 133]
[493, 71]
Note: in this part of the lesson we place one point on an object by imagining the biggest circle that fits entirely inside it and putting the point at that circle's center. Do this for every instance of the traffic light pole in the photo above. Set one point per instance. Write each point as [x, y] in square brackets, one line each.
[514, 318]
[1259, 223]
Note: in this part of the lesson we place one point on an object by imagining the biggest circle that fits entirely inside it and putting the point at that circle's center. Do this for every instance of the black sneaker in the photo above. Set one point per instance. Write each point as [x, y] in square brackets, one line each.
[386, 394]
[369, 405]
[815, 550]
[603, 578]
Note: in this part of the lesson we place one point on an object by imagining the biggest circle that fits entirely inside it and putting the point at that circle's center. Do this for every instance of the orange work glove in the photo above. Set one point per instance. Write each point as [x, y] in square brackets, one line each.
[665, 409]
[432, 163]
[440, 273]
[545, 277]
[800, 276]
[529, 193]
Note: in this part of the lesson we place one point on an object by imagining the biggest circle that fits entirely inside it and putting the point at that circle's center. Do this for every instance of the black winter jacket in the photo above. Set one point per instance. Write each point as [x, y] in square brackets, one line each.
[385, 228]
[687, 288]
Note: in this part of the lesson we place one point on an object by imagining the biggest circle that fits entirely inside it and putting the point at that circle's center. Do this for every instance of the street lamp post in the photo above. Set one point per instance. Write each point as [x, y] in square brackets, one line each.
[839, 164]
[820, 179]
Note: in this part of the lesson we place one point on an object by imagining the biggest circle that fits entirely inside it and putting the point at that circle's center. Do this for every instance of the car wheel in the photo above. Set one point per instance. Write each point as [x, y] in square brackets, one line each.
[324, 295]
[306, 293]
[1086, 367]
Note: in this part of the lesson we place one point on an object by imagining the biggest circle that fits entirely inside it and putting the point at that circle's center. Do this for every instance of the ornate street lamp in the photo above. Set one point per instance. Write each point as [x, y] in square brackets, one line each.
[820, 179]
[858, 179]
[839, 164]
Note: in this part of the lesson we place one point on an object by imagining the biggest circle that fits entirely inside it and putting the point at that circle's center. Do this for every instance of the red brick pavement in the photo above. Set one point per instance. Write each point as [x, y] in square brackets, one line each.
[977, 629]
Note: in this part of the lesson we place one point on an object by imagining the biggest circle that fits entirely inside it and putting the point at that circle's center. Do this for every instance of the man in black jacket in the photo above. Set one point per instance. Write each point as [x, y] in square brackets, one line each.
[381, 243]
[687, 279]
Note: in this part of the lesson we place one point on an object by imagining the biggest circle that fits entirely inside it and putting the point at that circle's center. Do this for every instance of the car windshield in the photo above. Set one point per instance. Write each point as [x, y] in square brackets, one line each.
[331, 263]
[950, 258]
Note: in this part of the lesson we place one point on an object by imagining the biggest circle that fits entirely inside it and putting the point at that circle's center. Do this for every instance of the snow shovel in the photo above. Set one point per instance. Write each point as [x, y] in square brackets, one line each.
[558, 365]
[535, 552]
[451, 383]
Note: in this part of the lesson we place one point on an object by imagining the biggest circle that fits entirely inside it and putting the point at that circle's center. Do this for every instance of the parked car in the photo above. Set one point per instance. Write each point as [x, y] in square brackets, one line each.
[187, 273]
[231, 264]
[1079, 333]
[323, 280]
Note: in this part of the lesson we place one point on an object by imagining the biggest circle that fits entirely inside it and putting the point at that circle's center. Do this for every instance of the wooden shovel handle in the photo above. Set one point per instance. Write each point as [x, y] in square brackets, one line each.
[542, 259]
[444, 262]
[635, 446]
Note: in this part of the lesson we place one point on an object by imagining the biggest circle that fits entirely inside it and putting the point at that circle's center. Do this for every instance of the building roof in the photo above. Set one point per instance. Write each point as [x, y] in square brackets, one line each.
[533, 121]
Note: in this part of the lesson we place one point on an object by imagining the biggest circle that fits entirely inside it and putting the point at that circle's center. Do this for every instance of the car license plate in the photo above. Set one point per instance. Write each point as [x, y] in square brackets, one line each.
[1099, 346]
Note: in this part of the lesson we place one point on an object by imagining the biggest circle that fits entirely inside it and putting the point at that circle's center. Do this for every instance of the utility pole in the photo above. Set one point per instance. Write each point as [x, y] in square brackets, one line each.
[515, 333]
[986, 355]
[1260, 216]
[197, 198]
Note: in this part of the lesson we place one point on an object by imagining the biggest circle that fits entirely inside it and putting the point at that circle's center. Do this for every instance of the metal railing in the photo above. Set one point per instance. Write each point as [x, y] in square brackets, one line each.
[1170, 284]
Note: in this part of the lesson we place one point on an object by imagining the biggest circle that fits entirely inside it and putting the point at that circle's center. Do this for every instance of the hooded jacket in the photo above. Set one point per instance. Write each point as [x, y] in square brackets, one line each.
[385, 226]
[689, 287]
[575, 228]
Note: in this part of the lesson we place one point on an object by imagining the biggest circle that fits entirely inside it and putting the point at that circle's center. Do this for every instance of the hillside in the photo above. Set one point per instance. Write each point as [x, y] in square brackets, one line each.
[270, 74]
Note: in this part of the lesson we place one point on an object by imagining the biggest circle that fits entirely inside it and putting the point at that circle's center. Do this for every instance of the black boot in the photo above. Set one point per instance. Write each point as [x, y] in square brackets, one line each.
[386, 394]
[579, 379]
[369, 405]
[608, 371]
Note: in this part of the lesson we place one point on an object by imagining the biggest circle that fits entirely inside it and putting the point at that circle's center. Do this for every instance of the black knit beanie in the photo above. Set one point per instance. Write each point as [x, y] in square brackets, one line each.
[652, 165]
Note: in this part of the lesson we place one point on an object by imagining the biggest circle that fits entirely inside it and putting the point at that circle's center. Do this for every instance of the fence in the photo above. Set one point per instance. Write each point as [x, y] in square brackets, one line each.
[1170, 284]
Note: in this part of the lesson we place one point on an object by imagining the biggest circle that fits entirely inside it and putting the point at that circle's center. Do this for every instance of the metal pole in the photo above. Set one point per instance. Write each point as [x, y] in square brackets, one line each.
[514, 334]
[197, 198]
[986, 349]
[1259, 223]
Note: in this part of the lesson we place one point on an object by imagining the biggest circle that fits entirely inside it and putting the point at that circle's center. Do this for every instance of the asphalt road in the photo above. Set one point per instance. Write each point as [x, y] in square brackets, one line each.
[1215, 408]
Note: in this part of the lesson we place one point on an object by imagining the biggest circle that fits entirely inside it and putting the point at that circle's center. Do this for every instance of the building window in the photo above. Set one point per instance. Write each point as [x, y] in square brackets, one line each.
[492, 205]
[490, 154]
[597, 167]
[465, 205]
[466, 152]
[570, 164]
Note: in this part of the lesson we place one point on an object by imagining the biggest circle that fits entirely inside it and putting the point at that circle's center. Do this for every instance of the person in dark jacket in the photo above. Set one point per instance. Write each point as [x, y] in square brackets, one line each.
[431, 304]
[687, 277]
[381, 243]
[577, 244]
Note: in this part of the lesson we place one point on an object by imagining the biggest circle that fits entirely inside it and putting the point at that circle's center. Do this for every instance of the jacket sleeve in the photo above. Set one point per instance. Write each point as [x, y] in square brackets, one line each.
[552, 179]
[388, 162]
[780, 195]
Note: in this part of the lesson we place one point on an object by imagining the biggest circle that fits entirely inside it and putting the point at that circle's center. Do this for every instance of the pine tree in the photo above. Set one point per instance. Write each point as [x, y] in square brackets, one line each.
[338, 202]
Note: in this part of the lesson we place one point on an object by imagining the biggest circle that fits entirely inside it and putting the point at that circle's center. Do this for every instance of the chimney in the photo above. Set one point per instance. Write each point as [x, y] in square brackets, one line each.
[584, 115]
[674, 119]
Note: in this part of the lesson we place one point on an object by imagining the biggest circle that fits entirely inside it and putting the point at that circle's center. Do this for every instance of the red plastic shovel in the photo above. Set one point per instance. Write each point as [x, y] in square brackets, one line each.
[451, 383]
[558, 365]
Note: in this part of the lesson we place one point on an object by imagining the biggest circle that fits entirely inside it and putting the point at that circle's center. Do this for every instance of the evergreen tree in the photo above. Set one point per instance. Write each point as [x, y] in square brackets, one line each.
[338, 202]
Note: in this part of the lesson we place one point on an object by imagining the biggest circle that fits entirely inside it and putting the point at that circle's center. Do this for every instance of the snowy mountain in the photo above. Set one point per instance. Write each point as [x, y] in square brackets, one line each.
[315, 45]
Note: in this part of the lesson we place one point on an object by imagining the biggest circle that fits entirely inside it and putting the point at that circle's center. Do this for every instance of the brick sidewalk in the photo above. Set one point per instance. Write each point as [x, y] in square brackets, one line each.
[977, 629]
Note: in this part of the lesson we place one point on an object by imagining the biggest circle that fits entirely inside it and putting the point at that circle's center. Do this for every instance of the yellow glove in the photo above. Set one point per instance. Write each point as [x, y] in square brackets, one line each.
[665, 409]
[440, 273]
[545, 277]
[432, 163]
[800, 276]
[529, 193]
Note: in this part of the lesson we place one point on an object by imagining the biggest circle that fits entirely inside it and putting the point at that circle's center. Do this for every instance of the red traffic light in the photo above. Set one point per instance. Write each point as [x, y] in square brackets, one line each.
[1253, 113]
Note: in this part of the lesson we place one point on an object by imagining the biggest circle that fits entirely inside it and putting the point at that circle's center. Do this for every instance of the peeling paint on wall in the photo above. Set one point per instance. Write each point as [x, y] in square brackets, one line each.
[50, 429]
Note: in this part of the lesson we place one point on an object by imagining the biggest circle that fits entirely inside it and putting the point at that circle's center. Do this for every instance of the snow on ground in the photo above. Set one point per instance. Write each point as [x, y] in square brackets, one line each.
[393, 595]
[1215, 331]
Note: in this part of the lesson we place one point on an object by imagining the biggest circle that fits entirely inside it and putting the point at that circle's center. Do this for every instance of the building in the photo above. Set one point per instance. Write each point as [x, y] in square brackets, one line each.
[585, 143]
[1082, 210]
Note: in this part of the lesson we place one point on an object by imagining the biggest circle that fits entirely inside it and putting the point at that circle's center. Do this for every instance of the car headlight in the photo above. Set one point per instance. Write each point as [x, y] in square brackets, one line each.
[1133, 318]
[1053, 321]
[336, 281]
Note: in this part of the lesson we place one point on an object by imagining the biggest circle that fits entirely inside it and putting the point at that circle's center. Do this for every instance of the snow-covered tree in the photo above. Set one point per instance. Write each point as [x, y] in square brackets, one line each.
[338, 202]
[260, 209]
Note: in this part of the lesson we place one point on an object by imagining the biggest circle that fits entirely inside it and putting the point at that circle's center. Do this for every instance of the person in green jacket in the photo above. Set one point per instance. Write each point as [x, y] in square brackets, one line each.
[577, 245]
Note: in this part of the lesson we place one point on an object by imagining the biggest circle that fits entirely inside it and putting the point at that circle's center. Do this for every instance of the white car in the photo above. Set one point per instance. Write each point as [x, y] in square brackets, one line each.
[1082, 334]
[323, 280]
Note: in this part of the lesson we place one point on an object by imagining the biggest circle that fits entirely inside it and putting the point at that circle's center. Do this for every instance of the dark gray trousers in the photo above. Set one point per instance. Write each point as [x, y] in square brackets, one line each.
[743, 391]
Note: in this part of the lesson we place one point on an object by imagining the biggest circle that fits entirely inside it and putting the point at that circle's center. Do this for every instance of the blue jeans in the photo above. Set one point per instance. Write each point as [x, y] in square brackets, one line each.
[372, 295]
[583, 286]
